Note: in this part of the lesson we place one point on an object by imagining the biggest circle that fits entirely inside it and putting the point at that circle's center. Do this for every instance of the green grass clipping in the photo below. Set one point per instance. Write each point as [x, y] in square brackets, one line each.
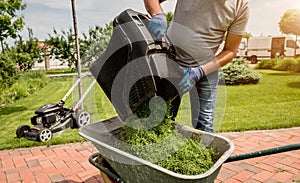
[156, 139]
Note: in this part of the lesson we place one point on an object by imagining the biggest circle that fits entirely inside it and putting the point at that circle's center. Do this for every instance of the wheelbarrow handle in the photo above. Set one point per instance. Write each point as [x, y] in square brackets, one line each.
[104, 169]
[265, 152]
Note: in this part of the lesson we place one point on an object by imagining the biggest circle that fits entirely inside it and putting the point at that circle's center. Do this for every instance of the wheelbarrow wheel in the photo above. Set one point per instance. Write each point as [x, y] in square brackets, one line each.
[83, 118]
[20, 132]
[45, 135]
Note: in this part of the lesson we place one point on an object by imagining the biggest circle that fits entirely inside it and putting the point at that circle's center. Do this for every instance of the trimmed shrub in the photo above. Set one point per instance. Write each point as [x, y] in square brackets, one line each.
[266, 64]
[284, 64]
[288, 64]
[237, 72]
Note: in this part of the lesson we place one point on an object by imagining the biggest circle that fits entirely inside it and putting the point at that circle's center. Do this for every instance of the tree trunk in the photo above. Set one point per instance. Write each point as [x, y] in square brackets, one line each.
[2, 47]
[77, 49]
[296, 45]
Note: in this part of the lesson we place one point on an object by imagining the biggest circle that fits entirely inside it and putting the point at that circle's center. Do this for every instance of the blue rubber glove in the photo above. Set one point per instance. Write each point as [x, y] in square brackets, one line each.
[190, 78]
[158, 25]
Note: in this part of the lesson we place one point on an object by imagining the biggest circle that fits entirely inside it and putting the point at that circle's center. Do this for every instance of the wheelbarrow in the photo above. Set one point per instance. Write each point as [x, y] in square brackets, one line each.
[116, 165]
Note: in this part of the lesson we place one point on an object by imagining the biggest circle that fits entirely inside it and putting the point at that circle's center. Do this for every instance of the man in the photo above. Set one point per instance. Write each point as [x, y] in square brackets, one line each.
[197, 30]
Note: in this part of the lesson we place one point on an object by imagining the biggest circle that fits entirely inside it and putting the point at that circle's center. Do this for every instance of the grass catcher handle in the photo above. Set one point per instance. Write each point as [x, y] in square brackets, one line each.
[104, 169]
[265, 152]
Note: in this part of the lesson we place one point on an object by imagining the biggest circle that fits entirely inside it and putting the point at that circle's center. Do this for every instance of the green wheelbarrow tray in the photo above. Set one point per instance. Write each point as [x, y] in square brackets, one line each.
[100, 163]
[130, 168]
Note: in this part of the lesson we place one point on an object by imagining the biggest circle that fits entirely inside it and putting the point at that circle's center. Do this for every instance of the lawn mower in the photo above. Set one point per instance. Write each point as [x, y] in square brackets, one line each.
[52, 118]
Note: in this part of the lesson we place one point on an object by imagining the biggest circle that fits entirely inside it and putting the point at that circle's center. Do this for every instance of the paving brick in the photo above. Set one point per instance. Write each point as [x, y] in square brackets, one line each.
[85, 153]
[84, 174]
[250, 167]
[11, 177]
[225, 174]
[72, 152]
[3, 177]
[283, 177]
[17, 169]
[288, 160]
[33, 163]
[24, 152]
[233, 167]
[294, 154]
[87, 165]
[296, 165]
[296, 178]
[271, 160]
[244, 175]
[14, 153]
[48, 152]
[60, 152]
[27, 176]
[232, 181]
[67, 172]
[251, 181]
[271, 181]
[52, 171]
[36, 152]
[266, 167]
[59, 164]
[262, 176]
[36, 169]
[74, 165]
[73, 178]
[46, 164]
[42, 178]
[8, 163]
[93, 179]
[19, 162]
[57, 178]
[4, 155]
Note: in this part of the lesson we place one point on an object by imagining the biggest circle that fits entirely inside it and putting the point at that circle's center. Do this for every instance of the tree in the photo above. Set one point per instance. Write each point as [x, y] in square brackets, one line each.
[95, 42]
[290, 24]
[10, 22]
[92, 45]
[26, 53]
[8, 70]
[62, 47]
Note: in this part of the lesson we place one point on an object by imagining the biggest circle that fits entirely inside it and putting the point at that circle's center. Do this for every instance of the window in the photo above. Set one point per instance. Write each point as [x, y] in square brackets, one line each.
[242, 46]
[291, 44]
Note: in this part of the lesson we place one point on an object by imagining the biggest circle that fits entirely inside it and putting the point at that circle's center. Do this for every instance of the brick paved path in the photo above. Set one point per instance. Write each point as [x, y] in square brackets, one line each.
[69, 163]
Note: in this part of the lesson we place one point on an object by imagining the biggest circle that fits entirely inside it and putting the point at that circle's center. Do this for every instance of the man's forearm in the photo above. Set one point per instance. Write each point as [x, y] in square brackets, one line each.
[231, 46]
[219, 61]
[153, 6]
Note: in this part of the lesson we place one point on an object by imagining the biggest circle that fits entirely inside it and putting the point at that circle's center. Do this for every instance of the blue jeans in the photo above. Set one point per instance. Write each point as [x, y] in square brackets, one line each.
[203, 102]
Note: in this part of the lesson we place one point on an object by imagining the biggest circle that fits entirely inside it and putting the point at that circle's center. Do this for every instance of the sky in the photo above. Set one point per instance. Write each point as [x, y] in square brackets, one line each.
[43, 16]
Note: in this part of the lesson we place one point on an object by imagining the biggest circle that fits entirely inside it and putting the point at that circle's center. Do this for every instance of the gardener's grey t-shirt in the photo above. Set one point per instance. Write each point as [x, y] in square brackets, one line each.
[198, 27]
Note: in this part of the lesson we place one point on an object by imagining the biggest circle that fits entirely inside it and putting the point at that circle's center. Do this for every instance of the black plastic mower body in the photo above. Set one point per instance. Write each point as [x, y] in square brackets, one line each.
[48, 108]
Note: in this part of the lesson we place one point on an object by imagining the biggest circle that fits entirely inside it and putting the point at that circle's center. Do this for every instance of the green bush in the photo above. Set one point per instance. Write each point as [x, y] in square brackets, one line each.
[288, 64]
[284, 64]
[266, 64]
[28, 83]
[8, 71]
[237, 72]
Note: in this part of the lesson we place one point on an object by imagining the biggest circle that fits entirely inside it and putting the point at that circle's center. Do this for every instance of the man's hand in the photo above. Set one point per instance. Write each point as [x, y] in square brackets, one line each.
[158, 25]
[191, 77]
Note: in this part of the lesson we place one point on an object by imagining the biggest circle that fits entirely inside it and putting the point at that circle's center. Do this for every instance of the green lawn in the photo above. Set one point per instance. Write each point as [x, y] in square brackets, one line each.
[273, 103]
[20, 112]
